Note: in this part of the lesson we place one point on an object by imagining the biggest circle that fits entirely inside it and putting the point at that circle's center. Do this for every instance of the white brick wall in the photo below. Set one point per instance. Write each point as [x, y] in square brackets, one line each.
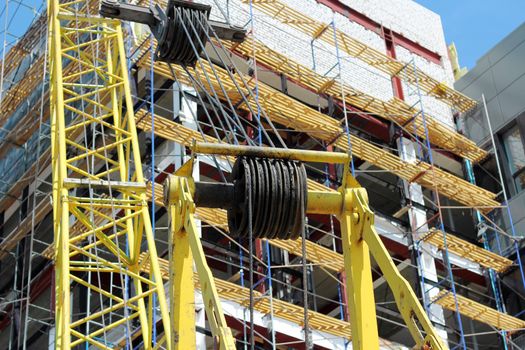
[297, 45]
[404, 16]
[432, 106]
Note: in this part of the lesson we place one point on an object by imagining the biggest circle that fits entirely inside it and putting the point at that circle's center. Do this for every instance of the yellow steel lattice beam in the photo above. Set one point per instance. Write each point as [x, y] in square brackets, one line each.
[109, 204]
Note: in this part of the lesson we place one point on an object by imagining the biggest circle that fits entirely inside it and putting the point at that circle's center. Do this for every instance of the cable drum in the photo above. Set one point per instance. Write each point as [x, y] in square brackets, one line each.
[179, 42]
[278, 194]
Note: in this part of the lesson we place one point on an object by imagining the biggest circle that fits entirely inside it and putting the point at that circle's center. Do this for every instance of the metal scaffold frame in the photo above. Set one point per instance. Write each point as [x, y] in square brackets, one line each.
[104, 196]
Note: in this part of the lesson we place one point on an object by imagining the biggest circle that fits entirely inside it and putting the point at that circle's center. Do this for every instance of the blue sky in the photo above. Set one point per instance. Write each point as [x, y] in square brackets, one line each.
[15, 18]
[476, 25]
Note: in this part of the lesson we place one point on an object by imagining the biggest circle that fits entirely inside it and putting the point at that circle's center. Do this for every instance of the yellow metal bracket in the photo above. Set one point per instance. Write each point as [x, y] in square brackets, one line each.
[360, 240]
[186, 248]
[360, 231]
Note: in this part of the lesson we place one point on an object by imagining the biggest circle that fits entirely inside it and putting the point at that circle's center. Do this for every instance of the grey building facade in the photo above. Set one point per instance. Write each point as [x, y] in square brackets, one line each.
[499, 76]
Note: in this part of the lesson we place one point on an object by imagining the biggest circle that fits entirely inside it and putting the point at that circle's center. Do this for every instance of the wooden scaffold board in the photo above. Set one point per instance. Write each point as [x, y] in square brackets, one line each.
[479, 312]
[467, 250]
[293, 114]
[283, 13]
[394, 110]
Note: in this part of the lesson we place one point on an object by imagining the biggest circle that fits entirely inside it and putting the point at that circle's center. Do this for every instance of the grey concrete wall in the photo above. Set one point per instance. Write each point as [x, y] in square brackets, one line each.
[500, 75]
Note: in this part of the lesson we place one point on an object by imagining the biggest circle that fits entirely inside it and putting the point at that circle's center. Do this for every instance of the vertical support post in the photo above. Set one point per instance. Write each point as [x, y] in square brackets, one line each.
[359, 285]
[60, 194]
[182, 208]
[182, 292]
[418, 222]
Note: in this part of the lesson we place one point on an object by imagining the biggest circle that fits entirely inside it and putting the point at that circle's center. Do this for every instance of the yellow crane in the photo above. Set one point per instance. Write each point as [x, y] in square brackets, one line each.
[100, 211]
[359, 236]
[105, 195]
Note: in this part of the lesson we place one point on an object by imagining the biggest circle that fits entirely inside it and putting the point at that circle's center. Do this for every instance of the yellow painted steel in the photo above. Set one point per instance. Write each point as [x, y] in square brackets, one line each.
[182, 296]
[178, 198]
[360, 239]
[101, 220]
[358, 269]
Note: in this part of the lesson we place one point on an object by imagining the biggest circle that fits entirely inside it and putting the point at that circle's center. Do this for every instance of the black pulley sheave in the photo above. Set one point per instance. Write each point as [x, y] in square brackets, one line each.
[277, 192]
[184, 34]
[181, 30]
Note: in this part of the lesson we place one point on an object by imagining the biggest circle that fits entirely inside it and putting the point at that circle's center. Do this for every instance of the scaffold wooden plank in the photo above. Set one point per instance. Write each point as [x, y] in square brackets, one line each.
[291, 113]
[479, 312]
[290, 312]
[394, 110]
[283, 13]
[467, 250]
[315, 253]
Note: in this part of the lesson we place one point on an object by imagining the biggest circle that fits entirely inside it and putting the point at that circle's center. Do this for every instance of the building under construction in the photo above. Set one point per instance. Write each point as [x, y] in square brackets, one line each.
[267, 112]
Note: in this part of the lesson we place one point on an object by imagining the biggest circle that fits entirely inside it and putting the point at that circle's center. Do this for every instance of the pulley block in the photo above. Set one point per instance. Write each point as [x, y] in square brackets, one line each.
[266, 196]
[181, 30]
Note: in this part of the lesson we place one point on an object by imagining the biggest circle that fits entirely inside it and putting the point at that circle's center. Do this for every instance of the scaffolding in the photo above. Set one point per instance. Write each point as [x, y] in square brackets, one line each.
[244, 93]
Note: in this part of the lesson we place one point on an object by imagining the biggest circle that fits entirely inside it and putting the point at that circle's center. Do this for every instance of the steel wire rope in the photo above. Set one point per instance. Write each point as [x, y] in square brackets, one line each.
[152, 159]
[213, 103]
[201, 131]
[268, 274]
[233, 106]
[217, 102]
[232, 64]
[250, 241]
[270, 291]
[190, 26]
[303, 241]
[203, 89]
[218, 79]
[253, 96]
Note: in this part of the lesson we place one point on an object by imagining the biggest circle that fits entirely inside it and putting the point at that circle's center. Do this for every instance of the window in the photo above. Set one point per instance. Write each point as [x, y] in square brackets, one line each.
[515, 152]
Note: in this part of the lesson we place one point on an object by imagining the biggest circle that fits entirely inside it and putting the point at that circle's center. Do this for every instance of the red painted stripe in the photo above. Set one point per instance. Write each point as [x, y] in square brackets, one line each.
[374, 26]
